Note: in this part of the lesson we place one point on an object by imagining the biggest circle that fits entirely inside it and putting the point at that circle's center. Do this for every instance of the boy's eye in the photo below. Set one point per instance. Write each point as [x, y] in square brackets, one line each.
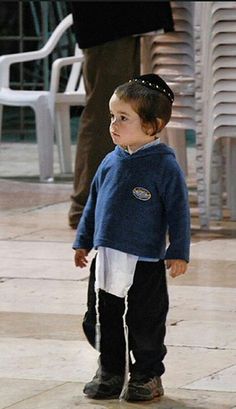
[120, 118]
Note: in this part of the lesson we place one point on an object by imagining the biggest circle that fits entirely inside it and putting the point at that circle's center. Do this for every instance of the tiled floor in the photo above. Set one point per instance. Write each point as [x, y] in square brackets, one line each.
[44, 357]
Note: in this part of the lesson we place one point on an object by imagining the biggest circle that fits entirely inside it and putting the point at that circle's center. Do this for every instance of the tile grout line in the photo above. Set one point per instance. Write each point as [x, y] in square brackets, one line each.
[35, 395]
[210, 375]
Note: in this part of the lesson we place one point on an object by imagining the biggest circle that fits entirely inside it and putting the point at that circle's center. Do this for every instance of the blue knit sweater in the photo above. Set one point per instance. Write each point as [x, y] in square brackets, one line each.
[134, 201]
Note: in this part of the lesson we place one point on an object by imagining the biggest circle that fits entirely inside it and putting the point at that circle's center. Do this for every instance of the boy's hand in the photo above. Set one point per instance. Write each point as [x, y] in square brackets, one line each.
[81, 257]
[177, 267]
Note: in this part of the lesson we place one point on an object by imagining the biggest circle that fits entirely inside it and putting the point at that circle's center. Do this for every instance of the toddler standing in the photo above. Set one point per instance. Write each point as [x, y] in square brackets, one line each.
[137, 200]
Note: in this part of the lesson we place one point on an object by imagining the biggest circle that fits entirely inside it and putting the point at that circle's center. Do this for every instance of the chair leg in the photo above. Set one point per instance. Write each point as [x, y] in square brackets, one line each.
[177, 141]
[230, 176]
[215, 188]
[1, 116]
[63, 137]
[45, 139]
[202, 178]
[163, 136]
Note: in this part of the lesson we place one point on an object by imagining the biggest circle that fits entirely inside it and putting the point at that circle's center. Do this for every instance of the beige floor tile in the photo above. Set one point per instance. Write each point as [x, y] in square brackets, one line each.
[37, 250]
[17, 390]
[31, 195]
[177, 314]
[67, 396]
[185, 365]
[69, 296]
[223, 380]
[32, 232]
[34, 250]
[11, 232]
[185, 399]
[214, 250]
[43, 296]
[41, 259]
[203, 298]
[205, 334]
[41, 326]
[13, 267]
[70, 396]
[48, 360]
[76, 361]
[50, 235]
[209, 273]
[40, 214]
[24, 163]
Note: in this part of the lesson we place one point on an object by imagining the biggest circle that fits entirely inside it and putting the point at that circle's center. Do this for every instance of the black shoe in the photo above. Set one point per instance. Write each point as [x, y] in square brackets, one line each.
[104, 386]
[143, 388]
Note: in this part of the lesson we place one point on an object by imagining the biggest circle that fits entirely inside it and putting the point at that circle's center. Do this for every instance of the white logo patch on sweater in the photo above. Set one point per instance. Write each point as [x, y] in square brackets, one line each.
[141, 193]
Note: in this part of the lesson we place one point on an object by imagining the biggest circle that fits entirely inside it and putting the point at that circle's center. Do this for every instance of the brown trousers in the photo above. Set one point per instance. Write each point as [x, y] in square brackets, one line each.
[105, 67]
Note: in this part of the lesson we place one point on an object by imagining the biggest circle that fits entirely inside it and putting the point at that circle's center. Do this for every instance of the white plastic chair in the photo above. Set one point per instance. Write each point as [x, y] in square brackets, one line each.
[173, 59]
[47, 105]
[217, 121]
[74, 95]
[222, 5]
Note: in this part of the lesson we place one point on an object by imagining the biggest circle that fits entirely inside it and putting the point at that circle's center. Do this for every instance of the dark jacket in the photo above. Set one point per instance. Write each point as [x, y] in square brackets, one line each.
[99, 22]
[134, 200]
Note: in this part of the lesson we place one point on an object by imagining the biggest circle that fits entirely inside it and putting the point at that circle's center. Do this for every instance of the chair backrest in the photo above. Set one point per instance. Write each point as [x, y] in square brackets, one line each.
[7, 60]
[75, 81]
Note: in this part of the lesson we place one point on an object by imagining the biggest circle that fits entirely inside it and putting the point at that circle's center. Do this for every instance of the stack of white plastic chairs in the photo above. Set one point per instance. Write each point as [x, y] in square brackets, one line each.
[215, 61]
[172, 57]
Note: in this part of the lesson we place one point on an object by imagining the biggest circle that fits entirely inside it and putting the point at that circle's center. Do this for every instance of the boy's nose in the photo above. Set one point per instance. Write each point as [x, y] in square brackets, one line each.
[114, 123]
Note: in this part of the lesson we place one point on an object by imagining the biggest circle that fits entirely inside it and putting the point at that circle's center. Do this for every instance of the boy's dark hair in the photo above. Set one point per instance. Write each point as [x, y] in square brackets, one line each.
[149, 103]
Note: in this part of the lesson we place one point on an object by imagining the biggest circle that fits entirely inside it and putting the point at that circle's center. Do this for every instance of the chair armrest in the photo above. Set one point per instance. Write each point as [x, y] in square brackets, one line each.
[56, 70]
[7, 60]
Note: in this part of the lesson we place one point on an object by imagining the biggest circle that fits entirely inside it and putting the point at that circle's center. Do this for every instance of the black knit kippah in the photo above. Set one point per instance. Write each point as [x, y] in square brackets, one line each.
[155, 82]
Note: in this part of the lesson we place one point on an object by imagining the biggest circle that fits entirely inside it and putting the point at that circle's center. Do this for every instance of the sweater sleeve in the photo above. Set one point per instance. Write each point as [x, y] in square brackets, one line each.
[178, 214]
[85, 229]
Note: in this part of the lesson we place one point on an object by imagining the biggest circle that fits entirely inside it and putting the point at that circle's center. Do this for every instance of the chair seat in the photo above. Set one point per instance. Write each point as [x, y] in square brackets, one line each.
[73, 98]
[20, 98]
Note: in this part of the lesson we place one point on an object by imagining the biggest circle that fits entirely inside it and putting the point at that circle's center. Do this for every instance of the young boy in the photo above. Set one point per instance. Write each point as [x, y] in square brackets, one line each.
[138, 195]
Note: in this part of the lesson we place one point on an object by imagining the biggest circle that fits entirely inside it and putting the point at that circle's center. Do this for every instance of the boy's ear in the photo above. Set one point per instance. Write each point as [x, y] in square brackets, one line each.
[148, 129]
[160, 124]
[155, 127]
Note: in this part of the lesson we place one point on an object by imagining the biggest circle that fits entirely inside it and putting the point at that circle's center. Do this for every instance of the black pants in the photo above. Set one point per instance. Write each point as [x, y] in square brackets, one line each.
[146, 320]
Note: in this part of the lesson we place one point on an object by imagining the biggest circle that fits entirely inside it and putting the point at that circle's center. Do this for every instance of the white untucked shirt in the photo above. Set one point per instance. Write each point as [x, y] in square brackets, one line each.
[114, 271]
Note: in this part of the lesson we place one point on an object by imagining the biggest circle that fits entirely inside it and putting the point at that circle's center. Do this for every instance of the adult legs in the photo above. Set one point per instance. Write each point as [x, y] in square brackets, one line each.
[105, 67]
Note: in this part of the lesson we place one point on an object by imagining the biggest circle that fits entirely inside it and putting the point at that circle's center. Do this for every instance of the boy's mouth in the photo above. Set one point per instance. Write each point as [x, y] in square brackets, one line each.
[114, 134]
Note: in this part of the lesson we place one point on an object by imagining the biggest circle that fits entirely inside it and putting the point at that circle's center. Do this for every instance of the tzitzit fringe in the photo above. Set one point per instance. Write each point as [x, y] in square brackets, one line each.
[98, 325]
[126, 335]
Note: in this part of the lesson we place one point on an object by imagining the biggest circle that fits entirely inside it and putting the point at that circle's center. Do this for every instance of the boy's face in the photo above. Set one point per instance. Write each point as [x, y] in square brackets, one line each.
[126, 128]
